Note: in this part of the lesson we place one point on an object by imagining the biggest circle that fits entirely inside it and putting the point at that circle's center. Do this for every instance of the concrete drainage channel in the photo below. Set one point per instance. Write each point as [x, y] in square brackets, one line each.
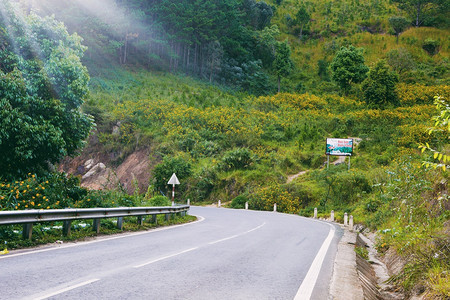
[357, 278]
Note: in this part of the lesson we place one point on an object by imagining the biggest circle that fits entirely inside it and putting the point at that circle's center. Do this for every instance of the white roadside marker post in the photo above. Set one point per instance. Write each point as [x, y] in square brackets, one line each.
[351, 222]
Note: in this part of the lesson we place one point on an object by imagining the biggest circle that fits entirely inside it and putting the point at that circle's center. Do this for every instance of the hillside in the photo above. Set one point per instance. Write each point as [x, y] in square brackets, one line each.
[190, 38]
[174, 90]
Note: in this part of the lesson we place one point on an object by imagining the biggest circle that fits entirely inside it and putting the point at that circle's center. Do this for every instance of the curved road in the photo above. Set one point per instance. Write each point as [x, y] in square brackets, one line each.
[227, 254]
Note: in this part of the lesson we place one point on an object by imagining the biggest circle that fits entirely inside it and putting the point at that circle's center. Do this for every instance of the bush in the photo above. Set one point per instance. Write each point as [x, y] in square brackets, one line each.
[344, 187]
[265, 198]
[206, 181]
[170, 165]
[431, 46]
[239, 202]
[159, 201]
[56, 190]
[240, 158]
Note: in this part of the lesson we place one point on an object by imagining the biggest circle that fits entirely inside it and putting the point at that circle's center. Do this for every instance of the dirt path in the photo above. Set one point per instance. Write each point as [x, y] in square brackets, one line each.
[340, 160]
[292, 177]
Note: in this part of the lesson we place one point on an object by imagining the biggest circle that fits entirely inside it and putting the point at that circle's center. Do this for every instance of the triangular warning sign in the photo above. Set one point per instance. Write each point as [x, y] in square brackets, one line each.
[173, 180]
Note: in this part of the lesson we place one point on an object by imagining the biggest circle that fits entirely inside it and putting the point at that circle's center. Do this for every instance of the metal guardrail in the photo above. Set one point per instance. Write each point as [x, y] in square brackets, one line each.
[28, 217]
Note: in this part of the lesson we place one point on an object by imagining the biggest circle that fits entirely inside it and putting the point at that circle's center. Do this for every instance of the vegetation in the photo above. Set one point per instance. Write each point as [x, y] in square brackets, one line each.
[379, 87]
[52, 232]
[348, 67]
[42, 86]
[234, 110]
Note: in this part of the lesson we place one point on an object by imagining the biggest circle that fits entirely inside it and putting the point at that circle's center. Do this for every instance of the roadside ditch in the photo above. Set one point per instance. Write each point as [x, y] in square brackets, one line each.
[362, 273]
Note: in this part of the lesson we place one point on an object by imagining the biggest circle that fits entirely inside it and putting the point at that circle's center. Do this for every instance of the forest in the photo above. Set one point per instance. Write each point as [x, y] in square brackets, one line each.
[237, 97]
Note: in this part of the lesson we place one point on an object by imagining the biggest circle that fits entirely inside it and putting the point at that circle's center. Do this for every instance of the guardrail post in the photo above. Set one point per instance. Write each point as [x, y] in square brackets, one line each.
[140, 220]
[66, 227]
[332, 216]
[189, 202]
[27, 231]
[167, 217]
[96, 225]
[274, 207]
[154, 219]
[246, 205]
[315, 212]
[351, 222]
[120, 223]
[345, 219]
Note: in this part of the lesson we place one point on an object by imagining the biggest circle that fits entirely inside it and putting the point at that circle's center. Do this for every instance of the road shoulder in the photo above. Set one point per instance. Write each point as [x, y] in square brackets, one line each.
[345, 283]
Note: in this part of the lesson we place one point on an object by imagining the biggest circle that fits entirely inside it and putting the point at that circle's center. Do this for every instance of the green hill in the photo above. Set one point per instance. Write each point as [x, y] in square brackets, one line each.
[194, 83]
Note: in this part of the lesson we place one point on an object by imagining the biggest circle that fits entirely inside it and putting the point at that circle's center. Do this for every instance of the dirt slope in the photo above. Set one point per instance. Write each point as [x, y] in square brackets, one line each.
[97, 169]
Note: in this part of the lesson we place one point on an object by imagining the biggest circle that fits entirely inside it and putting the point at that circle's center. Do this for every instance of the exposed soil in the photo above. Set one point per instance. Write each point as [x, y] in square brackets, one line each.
[98, 170]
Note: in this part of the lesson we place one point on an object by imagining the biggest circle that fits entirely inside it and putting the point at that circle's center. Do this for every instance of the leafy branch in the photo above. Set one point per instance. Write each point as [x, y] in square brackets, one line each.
[441, 124]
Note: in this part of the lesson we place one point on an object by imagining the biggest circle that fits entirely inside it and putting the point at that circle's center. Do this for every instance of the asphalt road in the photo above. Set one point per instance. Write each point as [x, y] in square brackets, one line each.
[227, 254]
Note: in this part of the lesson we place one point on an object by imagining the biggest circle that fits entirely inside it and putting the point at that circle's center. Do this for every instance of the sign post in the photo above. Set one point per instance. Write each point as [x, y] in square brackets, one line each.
[173, 181]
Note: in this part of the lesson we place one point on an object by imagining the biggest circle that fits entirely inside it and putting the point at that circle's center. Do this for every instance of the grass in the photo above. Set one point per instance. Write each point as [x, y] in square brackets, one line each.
[48, 233]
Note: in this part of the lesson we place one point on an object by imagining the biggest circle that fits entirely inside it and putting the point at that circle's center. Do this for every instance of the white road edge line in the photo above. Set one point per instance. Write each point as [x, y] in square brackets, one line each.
[65, 289]
[307, 286]
[165, 257]
[236, 235]
[119, 236]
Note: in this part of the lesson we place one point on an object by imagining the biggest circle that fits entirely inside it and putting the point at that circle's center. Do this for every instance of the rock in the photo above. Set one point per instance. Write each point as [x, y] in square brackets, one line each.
[116, 129]
[89, 163]
[95, 169]
[80, 170]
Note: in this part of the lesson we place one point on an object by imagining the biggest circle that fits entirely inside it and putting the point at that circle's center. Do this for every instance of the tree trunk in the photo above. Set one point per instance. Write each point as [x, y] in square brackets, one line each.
[195, 57]
[279, 83]
[211, 70]
[188, 58]
[125, 49]
[418, 14]
[170, 56]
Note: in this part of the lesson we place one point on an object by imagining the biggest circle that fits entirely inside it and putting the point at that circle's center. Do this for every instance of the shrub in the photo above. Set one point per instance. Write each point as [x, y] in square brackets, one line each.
[203, 184]
[170, 165]
[265, 198]
[412, 94]
[400, 60]
[239, 201]
[55, 190]
[240, 158]
[344, 187]
[159, 201]
[431, 46]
